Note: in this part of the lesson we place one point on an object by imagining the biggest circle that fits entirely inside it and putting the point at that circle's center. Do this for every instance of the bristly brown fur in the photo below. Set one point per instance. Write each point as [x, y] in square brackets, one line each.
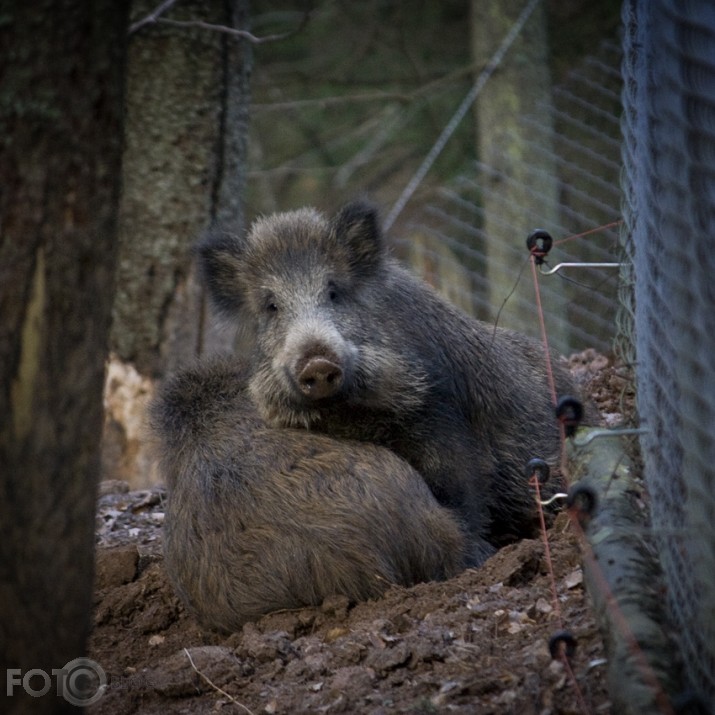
[261, 519]
[466, 405]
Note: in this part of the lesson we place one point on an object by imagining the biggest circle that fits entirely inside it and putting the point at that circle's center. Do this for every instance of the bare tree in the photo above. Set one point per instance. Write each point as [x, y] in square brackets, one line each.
[61, 136]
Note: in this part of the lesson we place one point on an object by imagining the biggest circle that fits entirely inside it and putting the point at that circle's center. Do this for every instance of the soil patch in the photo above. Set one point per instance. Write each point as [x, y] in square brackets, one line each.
[478, 643]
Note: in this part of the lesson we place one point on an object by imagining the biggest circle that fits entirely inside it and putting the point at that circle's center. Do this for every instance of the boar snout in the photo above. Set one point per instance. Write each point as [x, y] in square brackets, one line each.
[319, 378]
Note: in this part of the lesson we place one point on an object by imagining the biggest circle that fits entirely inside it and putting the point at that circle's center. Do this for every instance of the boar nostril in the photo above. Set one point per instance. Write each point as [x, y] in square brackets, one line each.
[320, 378]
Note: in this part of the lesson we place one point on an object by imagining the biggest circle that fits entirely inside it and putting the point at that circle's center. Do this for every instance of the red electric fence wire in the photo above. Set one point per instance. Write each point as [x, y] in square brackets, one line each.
[662, 700]
[604, 227]
[563, 657]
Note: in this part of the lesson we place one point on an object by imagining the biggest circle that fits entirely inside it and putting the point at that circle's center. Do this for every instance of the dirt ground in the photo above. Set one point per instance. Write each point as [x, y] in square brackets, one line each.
[478, 643]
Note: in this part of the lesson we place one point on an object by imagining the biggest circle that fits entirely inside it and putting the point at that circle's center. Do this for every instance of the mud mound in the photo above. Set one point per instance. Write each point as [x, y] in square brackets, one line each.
[479, 641]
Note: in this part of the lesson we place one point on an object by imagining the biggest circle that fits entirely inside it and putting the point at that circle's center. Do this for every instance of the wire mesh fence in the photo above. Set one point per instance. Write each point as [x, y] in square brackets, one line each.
[470, 240]
[669, 157]
[630, 133]
[657, 304]
[466, 234]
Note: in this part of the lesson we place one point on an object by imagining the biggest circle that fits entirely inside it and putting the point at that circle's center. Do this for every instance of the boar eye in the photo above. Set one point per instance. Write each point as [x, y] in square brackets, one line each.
[333, 293]
[271, 304]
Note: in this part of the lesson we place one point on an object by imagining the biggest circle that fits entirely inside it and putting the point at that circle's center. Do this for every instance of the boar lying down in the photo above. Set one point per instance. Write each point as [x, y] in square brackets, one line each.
[261, 519]
[346, 342]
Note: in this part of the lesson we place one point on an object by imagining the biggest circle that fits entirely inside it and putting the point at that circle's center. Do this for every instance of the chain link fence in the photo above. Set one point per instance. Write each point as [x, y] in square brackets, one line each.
[669, 183]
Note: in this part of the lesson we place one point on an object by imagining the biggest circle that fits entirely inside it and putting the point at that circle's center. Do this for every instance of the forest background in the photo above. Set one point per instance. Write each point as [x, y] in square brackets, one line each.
[126, 132]
[324, 102]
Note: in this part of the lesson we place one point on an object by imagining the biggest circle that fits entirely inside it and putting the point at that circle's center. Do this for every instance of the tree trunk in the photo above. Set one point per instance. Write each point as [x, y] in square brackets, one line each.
[518, 179]
[61, 109]
[183, 163]
[184, 167]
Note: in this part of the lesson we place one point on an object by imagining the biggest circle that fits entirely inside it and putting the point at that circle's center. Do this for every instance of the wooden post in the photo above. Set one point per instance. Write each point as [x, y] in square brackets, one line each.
[622, 575]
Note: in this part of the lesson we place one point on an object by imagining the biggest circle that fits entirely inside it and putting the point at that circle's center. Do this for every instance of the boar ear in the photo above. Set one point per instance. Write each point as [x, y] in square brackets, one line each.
[219, 258]
[356, 227]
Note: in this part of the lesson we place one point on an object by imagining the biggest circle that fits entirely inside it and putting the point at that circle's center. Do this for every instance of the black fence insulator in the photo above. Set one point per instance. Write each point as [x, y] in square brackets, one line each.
[539, 243]
[562, 644]
[539, 468]
[569, 411]
[583, 501]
